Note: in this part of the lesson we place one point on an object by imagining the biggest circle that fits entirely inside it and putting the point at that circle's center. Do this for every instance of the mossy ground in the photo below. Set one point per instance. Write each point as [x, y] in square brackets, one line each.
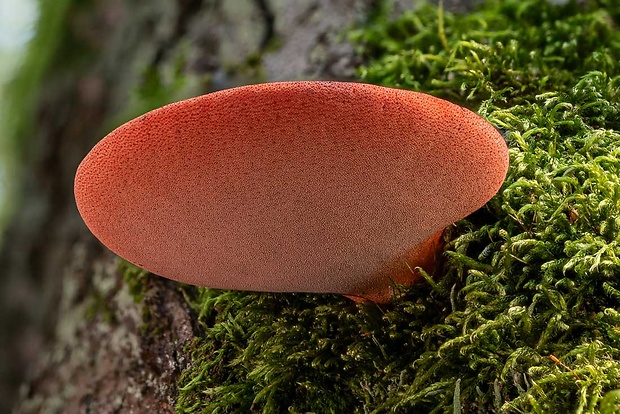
[526, 314]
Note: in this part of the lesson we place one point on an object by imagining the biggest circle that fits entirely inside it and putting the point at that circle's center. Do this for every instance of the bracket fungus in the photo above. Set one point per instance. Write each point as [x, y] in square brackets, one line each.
[324, 187]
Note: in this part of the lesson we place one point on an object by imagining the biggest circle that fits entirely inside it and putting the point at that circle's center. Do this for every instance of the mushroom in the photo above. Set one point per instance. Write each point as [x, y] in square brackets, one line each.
[324, 187]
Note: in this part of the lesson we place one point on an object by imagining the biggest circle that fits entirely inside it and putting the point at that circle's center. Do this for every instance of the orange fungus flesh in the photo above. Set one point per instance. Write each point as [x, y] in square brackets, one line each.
[325, 187]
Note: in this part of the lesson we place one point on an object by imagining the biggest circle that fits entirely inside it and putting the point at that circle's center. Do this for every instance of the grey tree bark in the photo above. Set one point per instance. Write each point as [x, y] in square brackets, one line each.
[71, 330]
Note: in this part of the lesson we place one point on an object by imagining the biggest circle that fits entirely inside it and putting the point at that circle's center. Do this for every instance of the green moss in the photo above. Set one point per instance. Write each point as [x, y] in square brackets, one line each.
[510, 50]
[526, 315]
[100, 307]
[135, 279]
[137, 282]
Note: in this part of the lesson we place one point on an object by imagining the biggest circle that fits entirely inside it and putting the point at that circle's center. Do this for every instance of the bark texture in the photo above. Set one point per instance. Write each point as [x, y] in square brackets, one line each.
[72, 334]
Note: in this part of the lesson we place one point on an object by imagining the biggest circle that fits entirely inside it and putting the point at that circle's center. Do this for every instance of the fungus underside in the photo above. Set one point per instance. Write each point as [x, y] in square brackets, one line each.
[526, 314]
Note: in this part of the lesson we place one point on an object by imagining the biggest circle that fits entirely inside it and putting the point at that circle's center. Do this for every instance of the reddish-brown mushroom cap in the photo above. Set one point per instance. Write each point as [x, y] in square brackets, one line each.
[290, 187]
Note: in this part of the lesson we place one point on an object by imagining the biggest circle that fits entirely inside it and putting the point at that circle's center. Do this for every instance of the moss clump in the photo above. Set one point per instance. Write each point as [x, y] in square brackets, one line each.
[137, 282]
[135, 279]
[526, 316]
[508, 50]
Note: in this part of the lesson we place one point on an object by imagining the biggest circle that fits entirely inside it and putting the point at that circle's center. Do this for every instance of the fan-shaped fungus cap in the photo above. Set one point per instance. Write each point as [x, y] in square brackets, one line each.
[290, 187]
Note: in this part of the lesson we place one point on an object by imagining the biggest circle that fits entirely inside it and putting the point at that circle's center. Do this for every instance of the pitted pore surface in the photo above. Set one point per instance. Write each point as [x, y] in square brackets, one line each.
[292, 186]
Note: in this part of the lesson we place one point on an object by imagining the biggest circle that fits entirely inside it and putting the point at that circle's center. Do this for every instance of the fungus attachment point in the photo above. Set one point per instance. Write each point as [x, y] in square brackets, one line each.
[403, 270]
[324, 187]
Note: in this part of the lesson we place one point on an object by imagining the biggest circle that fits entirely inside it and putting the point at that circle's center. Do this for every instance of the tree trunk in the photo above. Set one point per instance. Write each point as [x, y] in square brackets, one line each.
[73, 325]
[75, 334]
